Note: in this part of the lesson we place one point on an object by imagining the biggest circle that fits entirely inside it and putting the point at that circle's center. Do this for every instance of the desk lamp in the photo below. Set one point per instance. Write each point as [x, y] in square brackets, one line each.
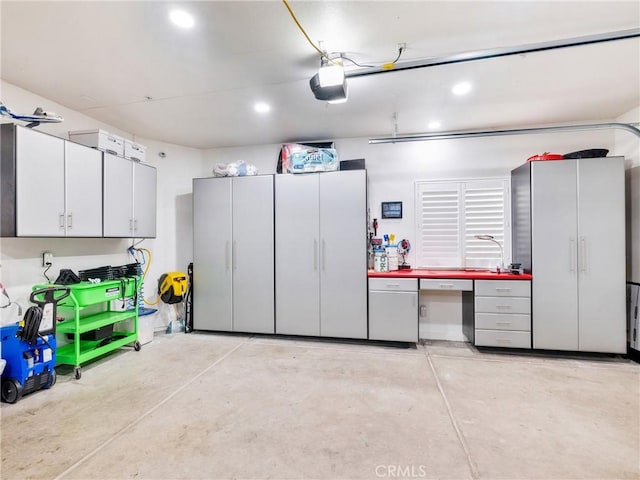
[491, 238]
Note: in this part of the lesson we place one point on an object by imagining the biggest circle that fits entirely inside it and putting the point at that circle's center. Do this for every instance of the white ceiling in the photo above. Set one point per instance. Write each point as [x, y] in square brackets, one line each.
[105, 58]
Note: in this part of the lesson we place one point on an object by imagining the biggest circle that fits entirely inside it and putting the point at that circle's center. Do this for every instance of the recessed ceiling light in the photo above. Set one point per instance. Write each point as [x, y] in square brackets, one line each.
[262, 107]
[433, 125]
[461, 88]
[181, 18]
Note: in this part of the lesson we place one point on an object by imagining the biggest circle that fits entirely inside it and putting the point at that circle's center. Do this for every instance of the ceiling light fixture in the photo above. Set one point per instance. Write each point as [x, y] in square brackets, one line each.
[330, 84]
[433, 125]
[461, 88]
[262, 107]
[181, 18]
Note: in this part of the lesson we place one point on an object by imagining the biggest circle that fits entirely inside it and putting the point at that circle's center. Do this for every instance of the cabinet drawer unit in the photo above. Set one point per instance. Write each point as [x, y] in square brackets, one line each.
[503, 305]
[502, 313]
[394, 284]
[503, 338]
[446, 284]
[503, 288]
[499, 321]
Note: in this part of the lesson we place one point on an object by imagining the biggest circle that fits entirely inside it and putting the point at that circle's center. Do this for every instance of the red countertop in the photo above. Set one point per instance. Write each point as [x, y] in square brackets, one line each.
[465, 274]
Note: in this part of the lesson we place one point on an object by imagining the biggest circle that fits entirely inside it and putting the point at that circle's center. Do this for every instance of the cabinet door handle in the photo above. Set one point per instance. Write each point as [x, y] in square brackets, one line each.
[227, 255]
[234, 249]
[572, 255]
[61, 220]
[131, 225]
[324, 255]
[315, 255]
[135, 224]
[583, 254]
[70, 220]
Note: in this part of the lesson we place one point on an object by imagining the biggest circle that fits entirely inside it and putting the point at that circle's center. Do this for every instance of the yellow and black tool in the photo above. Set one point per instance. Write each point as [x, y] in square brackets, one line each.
[172, 287]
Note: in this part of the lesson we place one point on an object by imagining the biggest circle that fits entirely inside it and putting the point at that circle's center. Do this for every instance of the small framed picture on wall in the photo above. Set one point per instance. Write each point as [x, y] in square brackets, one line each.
[391, 209]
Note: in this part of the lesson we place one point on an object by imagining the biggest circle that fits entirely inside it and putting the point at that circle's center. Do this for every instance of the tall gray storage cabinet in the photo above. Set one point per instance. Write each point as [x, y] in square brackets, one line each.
[321, 254]
[233, 254]
[569, 231]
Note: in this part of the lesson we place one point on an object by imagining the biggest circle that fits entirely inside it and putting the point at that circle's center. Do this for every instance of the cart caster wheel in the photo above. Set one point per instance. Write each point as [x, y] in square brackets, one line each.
[137, 346]
[77, 373]
[11, 390]
[52, 379]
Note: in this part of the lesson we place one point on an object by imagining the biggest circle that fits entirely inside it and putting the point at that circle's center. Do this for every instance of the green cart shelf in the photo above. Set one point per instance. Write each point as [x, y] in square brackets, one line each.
[84, 328]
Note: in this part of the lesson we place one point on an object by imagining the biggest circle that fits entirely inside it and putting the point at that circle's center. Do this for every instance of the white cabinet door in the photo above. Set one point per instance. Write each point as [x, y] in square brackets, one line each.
[252, 254]
[297, 251]
[554, 255]
[343, 254]
[144, 200]
[601, 259]
[212, 287]
[83, 186]
[39, 184]
[117, 196]
[393, 316]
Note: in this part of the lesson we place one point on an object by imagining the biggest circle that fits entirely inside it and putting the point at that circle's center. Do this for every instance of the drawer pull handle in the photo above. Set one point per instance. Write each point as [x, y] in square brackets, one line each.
[503, 323]
[503, 289]
[503, 306]
[503, 340]
[446, 285]
[393, 284]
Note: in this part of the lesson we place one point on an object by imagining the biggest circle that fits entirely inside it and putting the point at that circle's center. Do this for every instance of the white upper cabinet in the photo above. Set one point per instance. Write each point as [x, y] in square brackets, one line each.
[129, 198]
[51, 187]
[83, 189]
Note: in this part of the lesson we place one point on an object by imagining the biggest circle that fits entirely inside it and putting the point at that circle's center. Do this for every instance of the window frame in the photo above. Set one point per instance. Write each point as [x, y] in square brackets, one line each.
[421, 259]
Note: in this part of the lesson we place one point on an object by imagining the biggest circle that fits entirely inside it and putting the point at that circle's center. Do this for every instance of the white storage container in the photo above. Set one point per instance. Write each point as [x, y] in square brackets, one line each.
[100, 139]
[134, 151]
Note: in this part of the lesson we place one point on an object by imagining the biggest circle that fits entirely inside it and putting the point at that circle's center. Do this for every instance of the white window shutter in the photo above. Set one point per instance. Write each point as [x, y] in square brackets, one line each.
[484, 214]
[438, 225]
[450, 214]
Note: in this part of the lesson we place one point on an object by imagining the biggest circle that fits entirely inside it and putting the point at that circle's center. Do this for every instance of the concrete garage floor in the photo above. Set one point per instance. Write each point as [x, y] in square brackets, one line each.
[225, 406]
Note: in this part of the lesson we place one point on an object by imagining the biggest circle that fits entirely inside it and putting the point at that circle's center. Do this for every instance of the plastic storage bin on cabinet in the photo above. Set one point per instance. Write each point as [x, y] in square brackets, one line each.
[99, 139]
[87, 329]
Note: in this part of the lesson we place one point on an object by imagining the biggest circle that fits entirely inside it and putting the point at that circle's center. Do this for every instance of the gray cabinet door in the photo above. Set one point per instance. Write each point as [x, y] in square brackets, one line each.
[393, 316]
[83, 191]
[252, 254]
[601, 258]
[554, 255]
[117, 196]
[144, 200]
[212, 287]
[343, 254]
[297, 251]
[39, 184]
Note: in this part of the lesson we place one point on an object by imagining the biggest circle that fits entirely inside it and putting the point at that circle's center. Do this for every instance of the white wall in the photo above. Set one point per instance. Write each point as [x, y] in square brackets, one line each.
[393, 169]
[20, 258]
[628, 145]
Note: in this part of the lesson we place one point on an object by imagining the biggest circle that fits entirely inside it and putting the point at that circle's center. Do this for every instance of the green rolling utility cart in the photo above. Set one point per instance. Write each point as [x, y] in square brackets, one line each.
[90, 330]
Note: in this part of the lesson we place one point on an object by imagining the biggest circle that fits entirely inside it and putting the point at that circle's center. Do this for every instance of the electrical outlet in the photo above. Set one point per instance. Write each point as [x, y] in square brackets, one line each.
[47, 259]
